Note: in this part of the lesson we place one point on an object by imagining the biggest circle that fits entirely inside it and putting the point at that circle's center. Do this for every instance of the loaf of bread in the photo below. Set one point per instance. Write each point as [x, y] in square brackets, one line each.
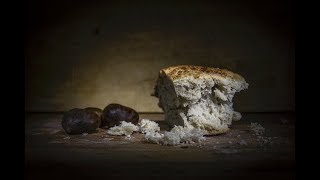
[199, 97]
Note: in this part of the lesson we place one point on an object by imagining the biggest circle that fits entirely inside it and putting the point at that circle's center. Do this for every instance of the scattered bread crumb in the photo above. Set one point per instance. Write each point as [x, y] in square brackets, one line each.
[236, 116]
[264, 140]
[257, 128]
[125, 128]
[68, 137]
[154, 137]
[284, 120]
[128, 137]
[243, 142]
[177, 135]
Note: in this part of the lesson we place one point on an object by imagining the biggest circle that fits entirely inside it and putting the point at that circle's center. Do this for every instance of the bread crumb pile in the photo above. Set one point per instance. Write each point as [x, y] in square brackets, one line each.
[145, 125]
[125, 128]
[177, 135]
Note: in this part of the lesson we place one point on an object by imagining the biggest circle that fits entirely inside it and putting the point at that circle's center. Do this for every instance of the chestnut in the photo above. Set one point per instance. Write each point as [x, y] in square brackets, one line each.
[98, 111]
[113, 114]
[78, 121]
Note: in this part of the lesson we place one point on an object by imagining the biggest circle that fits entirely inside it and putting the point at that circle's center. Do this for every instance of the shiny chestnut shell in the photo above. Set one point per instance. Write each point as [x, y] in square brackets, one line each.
[78, 121]
[113, 114]
[98, 111]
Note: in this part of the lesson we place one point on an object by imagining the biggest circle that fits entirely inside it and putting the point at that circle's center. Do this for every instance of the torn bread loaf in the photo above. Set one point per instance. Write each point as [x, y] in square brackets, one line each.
[199, 97]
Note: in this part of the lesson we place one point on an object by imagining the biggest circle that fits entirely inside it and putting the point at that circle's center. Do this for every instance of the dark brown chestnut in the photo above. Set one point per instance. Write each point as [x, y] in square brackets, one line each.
[98, 111]
[113, 114]
[78, 121]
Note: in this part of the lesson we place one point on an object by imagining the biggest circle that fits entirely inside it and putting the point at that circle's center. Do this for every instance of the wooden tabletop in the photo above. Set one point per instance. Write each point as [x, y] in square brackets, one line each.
[50, 153]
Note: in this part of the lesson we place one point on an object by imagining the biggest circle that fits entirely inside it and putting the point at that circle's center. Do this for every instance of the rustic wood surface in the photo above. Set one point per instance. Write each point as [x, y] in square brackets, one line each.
[50, 153]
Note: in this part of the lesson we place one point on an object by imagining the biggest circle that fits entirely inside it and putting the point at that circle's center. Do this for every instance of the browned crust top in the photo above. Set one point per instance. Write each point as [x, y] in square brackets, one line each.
[181, 71]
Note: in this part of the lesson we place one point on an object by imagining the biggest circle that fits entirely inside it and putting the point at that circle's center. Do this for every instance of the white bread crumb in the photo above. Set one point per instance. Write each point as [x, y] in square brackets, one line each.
[125, 128]
[154, 137]
[257, 128]
[236, 116]
[128, 137]
[176, 136]
[284, 120]
[145, 125]
[243, 142]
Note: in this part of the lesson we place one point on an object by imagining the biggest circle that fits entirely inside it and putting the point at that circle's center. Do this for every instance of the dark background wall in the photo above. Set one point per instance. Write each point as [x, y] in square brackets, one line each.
[93, 53]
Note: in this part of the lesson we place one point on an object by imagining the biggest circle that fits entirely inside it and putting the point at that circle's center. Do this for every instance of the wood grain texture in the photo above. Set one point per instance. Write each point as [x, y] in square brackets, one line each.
[51, 154]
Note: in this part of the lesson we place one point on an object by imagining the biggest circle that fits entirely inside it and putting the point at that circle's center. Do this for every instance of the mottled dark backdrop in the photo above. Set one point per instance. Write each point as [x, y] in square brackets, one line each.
[93, 53]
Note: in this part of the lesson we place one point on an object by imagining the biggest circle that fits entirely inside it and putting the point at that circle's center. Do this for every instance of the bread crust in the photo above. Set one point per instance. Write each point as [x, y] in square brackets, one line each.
[183, 71]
